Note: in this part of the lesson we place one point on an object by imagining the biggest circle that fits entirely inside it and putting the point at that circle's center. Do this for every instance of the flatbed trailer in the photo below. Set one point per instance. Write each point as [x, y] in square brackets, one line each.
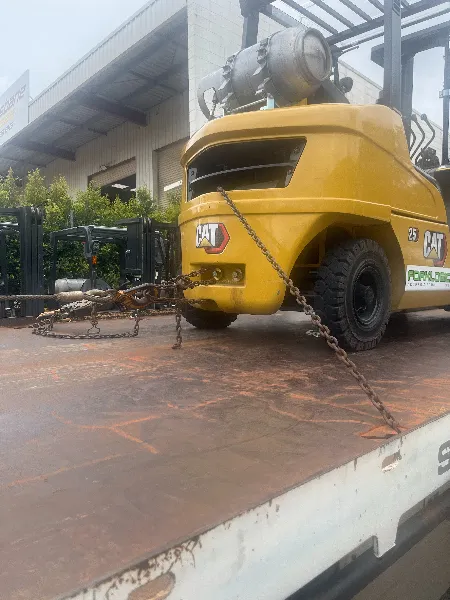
[245, 465]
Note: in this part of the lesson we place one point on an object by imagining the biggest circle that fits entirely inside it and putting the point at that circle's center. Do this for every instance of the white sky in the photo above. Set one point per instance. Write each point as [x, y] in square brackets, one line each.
[49, 36]
[429, 65]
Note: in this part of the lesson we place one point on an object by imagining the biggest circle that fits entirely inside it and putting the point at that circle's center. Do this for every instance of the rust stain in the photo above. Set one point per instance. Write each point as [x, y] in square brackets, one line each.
[132, 422]
[201, 417]
[71, 423]
[206, 403]
[379, 432]
[312, 420]
[437, 382]
[115, 428]
[45, 476]
[127, 436]
[347, 407]
[158, 589]
[297, 396]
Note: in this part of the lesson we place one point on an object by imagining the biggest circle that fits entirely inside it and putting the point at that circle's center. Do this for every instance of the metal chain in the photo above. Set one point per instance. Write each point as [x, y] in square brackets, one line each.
[44, 327]
[137, 321]
[179, 338]
[325, 332]
[28, 297]
[62, 296]
[184, 282]
[94, 329]
[45, 322]
[107, 315]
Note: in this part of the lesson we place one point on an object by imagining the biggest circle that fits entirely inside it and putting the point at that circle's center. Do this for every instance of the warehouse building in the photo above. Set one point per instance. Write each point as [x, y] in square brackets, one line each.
[121, 115]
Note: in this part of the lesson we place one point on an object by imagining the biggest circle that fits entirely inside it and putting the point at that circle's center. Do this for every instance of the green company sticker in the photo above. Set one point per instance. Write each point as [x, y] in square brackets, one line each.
[436, 277]
[427, 278]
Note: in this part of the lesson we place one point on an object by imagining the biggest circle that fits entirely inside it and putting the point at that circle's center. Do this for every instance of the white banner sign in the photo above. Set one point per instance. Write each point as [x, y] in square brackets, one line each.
[14, 108]
[423, 278]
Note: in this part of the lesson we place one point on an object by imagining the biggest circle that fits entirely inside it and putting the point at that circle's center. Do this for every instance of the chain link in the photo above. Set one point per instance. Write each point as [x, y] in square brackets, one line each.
[170, 292]
[137, 321]
[325, 332]
[44, 326]
[25, 297]
[179, 337]
[94, 329]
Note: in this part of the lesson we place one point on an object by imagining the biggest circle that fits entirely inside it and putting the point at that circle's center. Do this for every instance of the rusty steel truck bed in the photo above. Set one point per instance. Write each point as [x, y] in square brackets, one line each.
[124, 461]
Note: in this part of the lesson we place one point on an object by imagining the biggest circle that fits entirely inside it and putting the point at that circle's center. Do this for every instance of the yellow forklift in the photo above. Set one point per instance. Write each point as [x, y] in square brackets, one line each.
[330, 188]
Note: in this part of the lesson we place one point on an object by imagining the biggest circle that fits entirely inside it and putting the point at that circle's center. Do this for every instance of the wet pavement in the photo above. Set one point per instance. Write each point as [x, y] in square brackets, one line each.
[113, 449]
[423, 573]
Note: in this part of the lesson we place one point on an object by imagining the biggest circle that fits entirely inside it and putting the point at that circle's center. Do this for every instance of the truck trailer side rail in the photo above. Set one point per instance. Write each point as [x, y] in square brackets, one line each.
[275, 549]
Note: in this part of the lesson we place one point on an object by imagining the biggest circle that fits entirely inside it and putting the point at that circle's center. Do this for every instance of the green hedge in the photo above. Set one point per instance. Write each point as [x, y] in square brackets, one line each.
[62, 210]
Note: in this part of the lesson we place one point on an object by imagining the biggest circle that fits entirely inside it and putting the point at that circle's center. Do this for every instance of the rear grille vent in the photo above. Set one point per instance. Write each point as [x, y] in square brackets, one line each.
[244, 166]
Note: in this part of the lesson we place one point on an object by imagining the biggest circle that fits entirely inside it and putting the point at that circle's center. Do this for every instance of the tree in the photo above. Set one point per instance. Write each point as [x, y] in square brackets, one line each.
[171, 212]
[35, 192]
[59, 206]
[88, 207]
[11, 192]
[145, 203]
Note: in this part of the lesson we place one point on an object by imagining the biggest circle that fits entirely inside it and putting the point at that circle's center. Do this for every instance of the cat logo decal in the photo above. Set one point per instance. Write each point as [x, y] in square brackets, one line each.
[213, 237]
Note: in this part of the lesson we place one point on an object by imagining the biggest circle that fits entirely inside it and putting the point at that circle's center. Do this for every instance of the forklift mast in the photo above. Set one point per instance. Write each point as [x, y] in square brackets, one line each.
[26, 226]
[395, 55]
[148, 250]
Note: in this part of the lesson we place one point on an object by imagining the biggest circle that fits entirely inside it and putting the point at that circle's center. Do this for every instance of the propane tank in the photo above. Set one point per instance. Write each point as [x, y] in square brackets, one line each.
[68, 285]
[289, 66]
[79, 285]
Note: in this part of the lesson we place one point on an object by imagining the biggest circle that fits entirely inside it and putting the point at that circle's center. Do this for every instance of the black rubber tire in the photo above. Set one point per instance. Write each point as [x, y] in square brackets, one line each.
[352, 293]
[206, 319]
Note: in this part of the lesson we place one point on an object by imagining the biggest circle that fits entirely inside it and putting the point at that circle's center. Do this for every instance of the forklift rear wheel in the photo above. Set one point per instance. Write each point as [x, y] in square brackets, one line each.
[206, 319]
[353, 293]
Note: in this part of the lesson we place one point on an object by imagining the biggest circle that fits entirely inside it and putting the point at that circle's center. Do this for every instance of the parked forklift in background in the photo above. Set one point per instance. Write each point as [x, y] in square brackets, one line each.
[330, 188]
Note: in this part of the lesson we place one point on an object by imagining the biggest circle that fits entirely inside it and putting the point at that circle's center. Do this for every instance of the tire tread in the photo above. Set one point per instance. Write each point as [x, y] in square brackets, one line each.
[330, 290]
[205, 319]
